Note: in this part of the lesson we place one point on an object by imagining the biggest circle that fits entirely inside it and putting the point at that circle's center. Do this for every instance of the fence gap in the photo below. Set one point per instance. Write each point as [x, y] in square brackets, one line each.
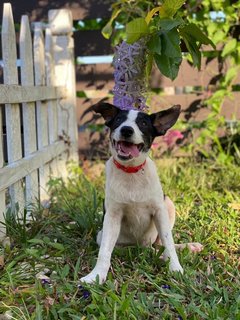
[2, 193]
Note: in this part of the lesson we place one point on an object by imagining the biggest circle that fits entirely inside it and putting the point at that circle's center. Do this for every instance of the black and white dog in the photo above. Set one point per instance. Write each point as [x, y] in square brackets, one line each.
[136, 210]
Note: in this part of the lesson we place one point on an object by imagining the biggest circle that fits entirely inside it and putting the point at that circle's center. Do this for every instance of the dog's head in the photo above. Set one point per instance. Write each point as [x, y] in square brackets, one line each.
[132, 132]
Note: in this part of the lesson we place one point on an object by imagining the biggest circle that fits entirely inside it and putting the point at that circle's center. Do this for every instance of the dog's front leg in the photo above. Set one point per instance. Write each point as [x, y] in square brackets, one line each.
[110, 233]
[161, 219]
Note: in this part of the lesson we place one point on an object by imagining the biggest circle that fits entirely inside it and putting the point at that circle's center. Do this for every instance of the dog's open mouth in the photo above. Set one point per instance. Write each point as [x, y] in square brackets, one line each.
[127, 150]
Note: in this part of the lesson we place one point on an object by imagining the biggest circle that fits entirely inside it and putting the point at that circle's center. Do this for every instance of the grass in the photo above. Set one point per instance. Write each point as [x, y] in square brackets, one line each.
[41, 262]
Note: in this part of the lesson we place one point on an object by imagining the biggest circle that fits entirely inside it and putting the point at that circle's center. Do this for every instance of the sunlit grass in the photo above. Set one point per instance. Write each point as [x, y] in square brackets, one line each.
[43, 260]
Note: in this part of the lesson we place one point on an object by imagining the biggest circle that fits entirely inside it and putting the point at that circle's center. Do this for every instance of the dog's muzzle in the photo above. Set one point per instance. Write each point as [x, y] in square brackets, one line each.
[127, 150]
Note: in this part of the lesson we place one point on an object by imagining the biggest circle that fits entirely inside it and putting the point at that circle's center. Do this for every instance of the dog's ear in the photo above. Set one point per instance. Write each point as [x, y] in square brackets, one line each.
[165, 119]
[108, 111]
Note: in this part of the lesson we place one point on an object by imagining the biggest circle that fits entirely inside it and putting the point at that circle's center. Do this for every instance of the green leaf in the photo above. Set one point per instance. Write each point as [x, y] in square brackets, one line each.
[190, 38]
[65, 271]
[171, 43]
[168, 66]
[149, 64]
[76, 269]
[151, 14]
[33, 253]
[38, 311]
[154, 44]
[218, 36]
[229, 47]
[178, 306]
[46, 239]
[230, 75]
[36, 241]
[170, 7]
[57, 246]
[135, 29]
[194, 51]
[168, 24]
[107, 30]
[192, 30]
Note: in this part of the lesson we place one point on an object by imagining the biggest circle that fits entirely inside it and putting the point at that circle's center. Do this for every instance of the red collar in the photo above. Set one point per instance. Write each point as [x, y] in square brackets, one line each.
[129, 169]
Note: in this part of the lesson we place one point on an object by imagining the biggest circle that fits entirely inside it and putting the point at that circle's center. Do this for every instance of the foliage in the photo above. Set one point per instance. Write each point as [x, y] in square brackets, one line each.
[176, 29]
[222, 30]
[164, 28]
[39, 277]
[82, 210]
[89, 24]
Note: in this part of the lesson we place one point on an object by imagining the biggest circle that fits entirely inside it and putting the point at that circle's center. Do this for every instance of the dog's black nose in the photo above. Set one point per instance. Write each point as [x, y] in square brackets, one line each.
[127, 131]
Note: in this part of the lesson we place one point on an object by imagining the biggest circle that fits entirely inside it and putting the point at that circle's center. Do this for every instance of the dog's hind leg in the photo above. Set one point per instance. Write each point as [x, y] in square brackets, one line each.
[192, 246]
[171, 210]
[171, 213]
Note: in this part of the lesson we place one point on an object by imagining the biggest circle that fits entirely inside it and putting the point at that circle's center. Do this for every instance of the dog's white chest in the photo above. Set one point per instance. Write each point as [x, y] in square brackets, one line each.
[137, 220]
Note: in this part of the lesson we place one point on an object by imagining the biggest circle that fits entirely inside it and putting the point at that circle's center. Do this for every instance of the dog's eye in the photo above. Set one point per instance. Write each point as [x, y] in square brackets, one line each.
[144, 123]
[117, 120]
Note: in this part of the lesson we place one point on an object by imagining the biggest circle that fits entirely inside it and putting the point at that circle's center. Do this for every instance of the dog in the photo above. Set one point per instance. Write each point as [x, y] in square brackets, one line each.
[137, 211]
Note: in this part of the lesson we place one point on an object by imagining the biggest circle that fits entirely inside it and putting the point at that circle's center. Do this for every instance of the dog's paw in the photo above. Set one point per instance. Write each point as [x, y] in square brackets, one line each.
[195, 246]
[93, 277]
[176, 267]
[192, 246]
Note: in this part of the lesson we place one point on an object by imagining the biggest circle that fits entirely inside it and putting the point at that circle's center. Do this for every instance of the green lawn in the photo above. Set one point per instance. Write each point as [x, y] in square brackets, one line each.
[41, 265]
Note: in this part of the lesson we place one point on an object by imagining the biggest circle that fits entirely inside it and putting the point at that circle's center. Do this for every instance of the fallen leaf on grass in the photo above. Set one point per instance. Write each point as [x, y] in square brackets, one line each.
[49, 301]
[235, 206]
[6, 316]
[2, 262]
[24, 289]
[43, 278]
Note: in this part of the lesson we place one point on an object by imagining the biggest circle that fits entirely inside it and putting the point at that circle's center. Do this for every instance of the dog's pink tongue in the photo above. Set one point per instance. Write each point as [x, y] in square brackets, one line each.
[130, 148]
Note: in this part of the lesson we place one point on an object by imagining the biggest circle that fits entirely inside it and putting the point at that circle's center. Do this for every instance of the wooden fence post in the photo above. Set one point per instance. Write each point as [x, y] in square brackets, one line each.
[41, 107]
[28, 108]
[61, 27]
[10, 75]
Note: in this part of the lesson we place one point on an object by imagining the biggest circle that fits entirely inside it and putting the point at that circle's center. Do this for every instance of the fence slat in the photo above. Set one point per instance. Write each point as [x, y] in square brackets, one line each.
[2, 193]
[50, 81]
[28, 109]
[52, 104]
[10, 75]
[41, 106]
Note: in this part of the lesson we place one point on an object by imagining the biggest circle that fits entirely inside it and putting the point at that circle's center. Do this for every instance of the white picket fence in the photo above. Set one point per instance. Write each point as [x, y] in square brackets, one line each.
[39, 99]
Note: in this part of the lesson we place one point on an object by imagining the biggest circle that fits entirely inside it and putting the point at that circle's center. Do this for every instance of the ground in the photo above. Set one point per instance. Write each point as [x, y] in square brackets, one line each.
[41, 262]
